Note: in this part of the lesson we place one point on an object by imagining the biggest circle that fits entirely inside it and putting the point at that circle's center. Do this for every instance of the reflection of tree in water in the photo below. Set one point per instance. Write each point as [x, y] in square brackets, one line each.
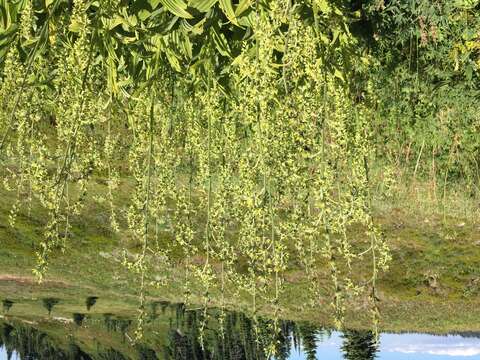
[78, 318]
[90, 302]
[111, 354]
[7, 305]
[153, 315]
[285, 338]
[117, 324]
[74, 352]
[183, 335]
[145, 353]
[30, 343]
[49, 303]
[242, 338]
[306, 335]
[359, 345]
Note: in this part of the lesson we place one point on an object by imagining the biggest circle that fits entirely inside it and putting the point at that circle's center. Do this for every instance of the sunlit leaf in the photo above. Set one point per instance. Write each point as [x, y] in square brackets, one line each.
[227, 7]
[154, 3]
[324, 6]
[48, 3]
[177, 7]
[202, 5]
[220, 42]
[243, 6]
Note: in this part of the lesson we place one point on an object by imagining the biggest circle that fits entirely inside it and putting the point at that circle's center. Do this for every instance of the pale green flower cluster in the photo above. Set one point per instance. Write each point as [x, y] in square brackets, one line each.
[233, 185]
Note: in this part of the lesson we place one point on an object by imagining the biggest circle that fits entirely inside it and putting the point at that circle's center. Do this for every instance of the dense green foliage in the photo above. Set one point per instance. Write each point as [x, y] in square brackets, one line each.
[426, 85]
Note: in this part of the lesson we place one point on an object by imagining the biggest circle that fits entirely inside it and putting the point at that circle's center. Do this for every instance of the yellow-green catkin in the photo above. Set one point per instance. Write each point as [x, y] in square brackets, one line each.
[238, 168]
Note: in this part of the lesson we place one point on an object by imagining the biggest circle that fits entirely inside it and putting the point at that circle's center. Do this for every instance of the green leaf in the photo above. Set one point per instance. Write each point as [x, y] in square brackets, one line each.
[142, 8]
[5, 15]
[183, 43]
[202, 5]
[324, 6]
[198, 28]
[172, 59]
[177, 7]
[243, 5]
[336, 33]
[248, 19]
[143, 14]
[6, 35]
[74, 26]
[220, 42]
[113, 23]
[227, 7]
[154, 3]
[338, 74]
[164, 27]
[466, 4]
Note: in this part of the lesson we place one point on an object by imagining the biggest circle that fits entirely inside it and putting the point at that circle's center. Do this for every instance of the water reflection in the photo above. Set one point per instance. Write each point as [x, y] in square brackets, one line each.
[6, 305]
[78, 318]
[359, 345]
[49, 303]
[309, 337]
[117, 324]
[172, 332]
[153, 315]
[90, 302]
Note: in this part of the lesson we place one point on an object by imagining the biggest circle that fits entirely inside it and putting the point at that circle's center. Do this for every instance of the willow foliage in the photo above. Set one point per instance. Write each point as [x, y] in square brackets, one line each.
[231, 124]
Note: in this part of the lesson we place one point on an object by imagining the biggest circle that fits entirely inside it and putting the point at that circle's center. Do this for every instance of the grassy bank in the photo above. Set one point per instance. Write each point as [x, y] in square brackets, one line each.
[432, 285]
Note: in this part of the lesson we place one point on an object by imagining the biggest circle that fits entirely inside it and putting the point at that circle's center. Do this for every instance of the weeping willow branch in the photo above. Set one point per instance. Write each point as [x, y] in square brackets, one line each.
[31, 59]
[257, 166]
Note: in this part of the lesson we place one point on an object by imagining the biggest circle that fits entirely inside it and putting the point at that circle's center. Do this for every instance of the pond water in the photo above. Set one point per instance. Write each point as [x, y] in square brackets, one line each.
[174, 332]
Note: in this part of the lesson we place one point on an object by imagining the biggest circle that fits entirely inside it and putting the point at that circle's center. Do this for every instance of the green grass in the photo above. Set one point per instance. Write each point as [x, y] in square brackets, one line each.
[431, 285]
